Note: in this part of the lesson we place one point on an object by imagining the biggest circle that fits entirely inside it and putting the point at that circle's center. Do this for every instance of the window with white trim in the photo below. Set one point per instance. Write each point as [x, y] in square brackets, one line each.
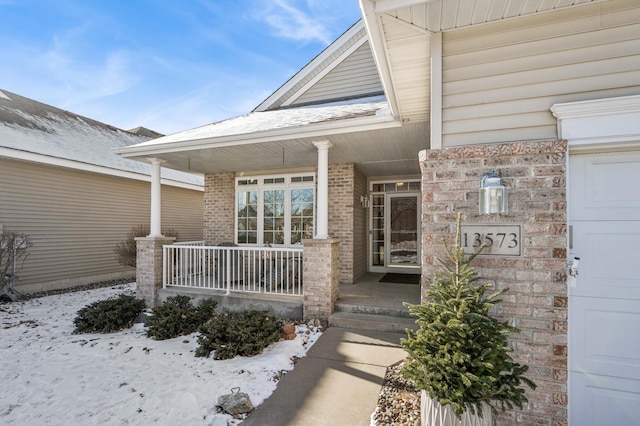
[276, 210]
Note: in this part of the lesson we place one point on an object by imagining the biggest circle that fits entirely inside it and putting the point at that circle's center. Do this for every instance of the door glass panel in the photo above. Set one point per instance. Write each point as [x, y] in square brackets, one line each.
[377, 230]
[403, 230]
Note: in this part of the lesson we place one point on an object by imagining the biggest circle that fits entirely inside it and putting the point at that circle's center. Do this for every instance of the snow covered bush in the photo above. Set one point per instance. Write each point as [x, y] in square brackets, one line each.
[244, 333]
[108, 316]
[177, 316]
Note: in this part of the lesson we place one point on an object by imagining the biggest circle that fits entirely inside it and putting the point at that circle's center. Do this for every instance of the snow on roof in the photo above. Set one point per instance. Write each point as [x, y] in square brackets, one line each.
[286, 118]
[33, 127]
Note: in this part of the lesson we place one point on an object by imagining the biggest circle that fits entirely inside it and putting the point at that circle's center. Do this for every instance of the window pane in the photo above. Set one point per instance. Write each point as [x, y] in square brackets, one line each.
[301, 214]
[269, 225]
[247, 214]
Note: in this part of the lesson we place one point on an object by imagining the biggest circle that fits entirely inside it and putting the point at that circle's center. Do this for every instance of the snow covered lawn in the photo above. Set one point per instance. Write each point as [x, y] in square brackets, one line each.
[48, 375]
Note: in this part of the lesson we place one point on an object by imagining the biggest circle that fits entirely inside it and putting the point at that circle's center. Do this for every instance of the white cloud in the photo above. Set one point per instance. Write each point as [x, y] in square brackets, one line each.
[289, 20]
[83, 74]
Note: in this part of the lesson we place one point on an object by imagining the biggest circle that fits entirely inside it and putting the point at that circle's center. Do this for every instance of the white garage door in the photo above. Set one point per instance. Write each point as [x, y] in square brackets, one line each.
[604, 306]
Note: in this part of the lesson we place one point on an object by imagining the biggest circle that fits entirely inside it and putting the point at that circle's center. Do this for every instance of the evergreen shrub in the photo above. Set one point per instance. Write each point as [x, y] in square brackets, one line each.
[110, 315]
[460, 354]
[177, 316]
[244, 333]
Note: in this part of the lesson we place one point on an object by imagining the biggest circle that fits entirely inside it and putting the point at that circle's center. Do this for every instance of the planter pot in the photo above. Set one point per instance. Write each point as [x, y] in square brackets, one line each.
[434, 414]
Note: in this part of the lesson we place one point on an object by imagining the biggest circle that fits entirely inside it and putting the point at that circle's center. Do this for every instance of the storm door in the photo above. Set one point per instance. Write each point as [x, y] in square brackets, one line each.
[402, 230]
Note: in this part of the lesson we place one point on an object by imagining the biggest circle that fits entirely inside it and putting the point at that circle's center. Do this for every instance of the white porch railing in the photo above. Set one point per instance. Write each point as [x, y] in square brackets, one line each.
[268, 270]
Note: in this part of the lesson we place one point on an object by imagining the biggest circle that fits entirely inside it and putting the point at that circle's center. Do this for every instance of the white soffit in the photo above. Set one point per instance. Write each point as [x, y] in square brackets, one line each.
[611, 122]
[444, 15]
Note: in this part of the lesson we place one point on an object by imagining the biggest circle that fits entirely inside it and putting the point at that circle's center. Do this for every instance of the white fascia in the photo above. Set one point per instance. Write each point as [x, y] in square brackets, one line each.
[378, 47]
[91, 168]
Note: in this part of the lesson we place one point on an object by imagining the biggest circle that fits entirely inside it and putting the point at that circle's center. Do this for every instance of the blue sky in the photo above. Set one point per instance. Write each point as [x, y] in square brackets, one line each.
[163, 64]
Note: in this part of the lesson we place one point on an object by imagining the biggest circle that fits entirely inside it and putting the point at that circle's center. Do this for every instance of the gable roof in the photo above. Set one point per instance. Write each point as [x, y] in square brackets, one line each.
[33, 131]
[347, 57]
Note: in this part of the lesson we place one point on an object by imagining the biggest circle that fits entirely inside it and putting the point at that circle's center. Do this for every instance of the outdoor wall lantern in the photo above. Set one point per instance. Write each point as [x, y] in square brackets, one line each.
[364, 201]
[493, 195]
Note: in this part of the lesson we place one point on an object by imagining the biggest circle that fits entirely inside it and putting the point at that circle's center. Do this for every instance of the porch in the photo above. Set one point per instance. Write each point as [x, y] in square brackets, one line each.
[271, 278]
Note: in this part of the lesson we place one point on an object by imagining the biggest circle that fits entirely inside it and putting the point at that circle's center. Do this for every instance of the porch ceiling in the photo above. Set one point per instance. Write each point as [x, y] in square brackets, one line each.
[445, 15]
[386, 151]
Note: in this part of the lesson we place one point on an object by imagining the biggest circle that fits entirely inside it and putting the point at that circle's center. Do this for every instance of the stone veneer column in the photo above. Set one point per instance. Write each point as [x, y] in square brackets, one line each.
[320, 277]
[149, 267]
[536, 303]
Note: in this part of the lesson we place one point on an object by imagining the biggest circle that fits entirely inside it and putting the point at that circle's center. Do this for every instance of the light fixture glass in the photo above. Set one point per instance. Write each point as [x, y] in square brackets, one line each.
[493, 195]
[364, 201]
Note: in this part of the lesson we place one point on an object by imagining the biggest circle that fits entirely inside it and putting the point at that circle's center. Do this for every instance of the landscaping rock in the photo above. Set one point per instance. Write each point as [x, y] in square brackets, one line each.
[235, 403]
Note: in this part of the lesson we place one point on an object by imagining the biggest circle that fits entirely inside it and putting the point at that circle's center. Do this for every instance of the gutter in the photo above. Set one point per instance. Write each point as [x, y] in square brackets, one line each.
[31, 157]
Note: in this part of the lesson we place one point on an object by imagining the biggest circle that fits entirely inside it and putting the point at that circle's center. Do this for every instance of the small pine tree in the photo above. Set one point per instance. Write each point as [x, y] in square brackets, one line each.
[460, 354]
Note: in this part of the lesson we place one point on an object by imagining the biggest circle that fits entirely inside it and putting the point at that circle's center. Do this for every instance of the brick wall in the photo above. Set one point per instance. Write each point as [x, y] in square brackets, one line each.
[320, 276]
[536, 303]
[341, 215]
[149, 267]
[219, 208]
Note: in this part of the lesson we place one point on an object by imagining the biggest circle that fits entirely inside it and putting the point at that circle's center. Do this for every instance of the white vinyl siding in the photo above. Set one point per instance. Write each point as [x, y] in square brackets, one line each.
[499, 80]
[76, 219]
[356, 75]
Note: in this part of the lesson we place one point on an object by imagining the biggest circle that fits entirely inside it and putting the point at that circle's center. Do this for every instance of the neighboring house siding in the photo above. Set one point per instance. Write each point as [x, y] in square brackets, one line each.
[357, 75]
[499, 80]
[76, 219]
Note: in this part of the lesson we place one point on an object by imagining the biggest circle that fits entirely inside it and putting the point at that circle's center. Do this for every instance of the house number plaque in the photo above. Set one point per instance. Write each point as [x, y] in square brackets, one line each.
[500, 240]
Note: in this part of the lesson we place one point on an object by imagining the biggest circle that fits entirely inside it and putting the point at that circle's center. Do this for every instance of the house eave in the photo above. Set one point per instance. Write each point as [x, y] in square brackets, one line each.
[319, 130]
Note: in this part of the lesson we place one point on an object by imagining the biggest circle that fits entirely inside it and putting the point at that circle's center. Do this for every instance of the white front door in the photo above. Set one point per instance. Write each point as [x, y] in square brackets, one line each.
[604, 305]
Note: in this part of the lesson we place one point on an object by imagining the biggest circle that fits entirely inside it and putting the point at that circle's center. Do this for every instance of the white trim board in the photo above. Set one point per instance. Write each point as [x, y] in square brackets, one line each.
[599, 123]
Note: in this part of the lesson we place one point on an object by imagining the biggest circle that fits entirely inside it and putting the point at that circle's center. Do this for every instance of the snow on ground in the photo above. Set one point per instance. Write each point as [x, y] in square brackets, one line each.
[50, 376]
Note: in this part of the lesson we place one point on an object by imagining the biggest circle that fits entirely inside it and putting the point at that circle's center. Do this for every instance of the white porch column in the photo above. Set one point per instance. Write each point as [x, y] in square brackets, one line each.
[322, 220]
[156, 190]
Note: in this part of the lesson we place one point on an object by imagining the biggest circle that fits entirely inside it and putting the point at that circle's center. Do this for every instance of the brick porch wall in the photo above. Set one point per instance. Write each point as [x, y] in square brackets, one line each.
[341, 216]
[219, 208]
[536, 303]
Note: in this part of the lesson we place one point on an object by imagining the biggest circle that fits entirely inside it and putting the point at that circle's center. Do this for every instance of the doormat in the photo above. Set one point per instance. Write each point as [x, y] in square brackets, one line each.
[400, 278]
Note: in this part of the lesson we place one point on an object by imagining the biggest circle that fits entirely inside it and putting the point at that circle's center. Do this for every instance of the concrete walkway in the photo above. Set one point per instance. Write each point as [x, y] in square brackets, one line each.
[336, 384]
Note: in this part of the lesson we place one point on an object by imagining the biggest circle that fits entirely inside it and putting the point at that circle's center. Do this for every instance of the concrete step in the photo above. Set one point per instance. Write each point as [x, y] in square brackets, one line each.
[355, 308]
[361, 321]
